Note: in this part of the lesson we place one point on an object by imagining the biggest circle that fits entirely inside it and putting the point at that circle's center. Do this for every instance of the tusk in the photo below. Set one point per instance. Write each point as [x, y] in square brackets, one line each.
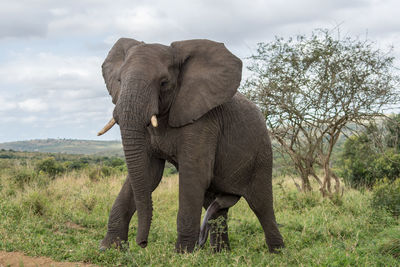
[154, 121]
[109, 125]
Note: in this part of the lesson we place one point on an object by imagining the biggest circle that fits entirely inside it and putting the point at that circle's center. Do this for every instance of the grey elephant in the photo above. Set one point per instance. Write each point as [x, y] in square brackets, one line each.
[180, 103]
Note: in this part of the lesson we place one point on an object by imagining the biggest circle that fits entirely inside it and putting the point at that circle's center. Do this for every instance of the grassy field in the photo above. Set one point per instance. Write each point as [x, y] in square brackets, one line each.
[65, 217]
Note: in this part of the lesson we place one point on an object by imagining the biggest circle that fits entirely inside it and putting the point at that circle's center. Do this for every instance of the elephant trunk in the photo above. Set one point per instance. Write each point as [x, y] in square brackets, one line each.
[133, 141]
[133, 120]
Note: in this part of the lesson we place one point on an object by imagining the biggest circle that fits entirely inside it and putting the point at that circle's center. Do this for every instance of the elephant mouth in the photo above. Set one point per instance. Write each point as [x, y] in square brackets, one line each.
[112, 122]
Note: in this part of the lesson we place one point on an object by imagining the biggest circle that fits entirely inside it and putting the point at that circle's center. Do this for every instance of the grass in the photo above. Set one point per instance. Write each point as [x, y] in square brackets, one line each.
[66, 218]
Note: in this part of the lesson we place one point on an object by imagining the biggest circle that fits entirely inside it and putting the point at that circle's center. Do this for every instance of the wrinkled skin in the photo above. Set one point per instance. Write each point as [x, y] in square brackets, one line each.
[215, 137]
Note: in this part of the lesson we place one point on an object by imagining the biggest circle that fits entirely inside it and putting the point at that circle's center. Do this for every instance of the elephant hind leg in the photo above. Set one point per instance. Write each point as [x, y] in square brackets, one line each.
[260, 199]
[219, 229]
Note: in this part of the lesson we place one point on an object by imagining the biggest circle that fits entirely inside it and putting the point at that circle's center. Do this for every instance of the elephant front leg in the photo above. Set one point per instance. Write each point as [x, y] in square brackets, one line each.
[118, 222]
[124, 207]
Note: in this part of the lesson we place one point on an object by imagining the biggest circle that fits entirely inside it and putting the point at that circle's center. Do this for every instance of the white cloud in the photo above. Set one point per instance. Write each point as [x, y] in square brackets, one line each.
[33, 105]
[29, 119]
[19, 20]
[7, 104]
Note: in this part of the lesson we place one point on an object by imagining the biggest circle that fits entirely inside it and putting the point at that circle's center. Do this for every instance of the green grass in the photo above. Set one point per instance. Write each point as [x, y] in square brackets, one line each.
[66, 218]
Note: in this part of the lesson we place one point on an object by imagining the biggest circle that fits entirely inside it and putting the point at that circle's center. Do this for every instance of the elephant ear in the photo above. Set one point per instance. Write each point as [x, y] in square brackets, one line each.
[112, 65]
[209, 76]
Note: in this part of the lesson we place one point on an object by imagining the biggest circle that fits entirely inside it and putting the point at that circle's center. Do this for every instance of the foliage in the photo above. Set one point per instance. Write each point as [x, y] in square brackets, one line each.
[75, 165]
[392, 133]
[116, 162]
[50, 166]
[310, 88]
[22, 176]
[386, 195]
[169, 170]
[371, 155]
[357, 159]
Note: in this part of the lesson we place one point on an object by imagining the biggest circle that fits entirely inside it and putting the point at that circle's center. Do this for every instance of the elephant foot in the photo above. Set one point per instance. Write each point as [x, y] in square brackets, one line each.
[113, 242]
[275, 248]
[186, 244]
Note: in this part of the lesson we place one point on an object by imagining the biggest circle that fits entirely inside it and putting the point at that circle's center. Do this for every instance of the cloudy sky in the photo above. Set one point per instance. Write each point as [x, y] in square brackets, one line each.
[51, 51]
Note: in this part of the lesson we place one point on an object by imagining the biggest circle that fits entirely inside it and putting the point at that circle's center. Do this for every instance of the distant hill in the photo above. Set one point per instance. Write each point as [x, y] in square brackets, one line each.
[69, 146]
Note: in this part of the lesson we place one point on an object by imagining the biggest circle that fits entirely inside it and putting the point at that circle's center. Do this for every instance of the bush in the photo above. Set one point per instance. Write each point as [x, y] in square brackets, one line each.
[115, 162]
[386, 195]
[387, 166]
[362, 165]
[50, 166]
[97, 173]
[22, 177]
[75, 165]
[106, 171]
[357, 157]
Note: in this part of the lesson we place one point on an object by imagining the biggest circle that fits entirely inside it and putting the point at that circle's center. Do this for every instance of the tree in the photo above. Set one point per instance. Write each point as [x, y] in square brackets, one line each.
[310, 88]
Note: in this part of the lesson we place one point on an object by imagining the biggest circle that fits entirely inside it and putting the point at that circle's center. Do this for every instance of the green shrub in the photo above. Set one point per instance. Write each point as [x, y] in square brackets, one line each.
[106, 171]
[387, 166]
[363, 165]
[23, 176]
[115, 162]
[75, 165]
[97, 173]
[386, 195]
[357, 157]
[50, 166]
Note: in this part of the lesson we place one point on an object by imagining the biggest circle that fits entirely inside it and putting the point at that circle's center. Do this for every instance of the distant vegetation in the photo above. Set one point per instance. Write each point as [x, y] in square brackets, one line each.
[70, 146]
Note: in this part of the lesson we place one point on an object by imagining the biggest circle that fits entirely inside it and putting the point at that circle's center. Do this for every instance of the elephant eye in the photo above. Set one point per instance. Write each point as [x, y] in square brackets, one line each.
[163, 83]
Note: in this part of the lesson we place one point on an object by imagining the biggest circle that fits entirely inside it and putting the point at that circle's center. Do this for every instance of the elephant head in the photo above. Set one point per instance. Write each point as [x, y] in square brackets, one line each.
[182, 82]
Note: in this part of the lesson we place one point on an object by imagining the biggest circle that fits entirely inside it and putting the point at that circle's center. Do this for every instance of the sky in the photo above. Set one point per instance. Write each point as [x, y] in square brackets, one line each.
[51, 51]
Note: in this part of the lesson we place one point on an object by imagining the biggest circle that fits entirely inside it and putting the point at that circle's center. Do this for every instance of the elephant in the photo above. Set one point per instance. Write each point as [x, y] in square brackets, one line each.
[180, 103]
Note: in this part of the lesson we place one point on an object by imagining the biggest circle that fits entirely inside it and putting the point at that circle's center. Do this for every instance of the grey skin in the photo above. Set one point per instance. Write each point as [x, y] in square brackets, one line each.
[215, 137]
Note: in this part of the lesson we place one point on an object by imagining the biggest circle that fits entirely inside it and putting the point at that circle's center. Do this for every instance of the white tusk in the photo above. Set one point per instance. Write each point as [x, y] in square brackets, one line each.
[154, 121]
[108, 126]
